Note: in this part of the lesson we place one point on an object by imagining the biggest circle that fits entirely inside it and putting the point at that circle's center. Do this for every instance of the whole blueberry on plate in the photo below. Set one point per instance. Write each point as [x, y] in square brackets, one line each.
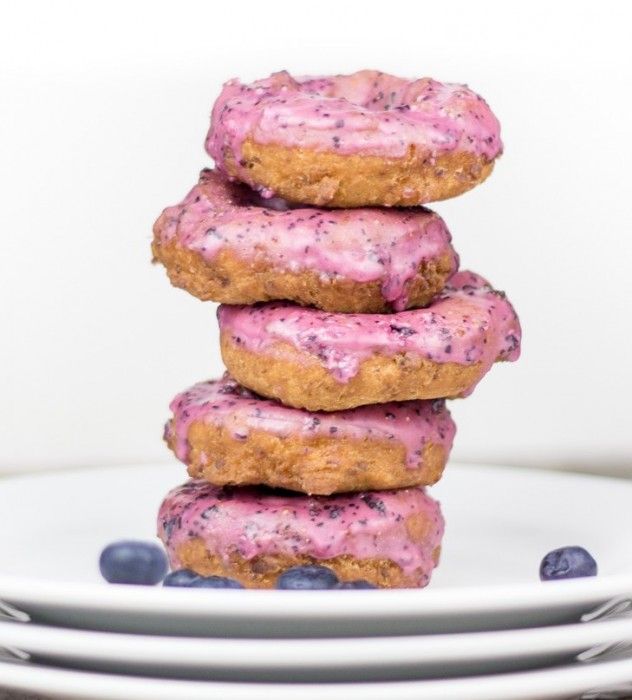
[133, 561]
[313, 577]
[567, 562]
[180, 578]
[355, 585]
[214, 582]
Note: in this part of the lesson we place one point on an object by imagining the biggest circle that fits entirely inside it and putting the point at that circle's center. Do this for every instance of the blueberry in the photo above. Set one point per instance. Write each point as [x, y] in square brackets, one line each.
[131, 561]
[214, 582]
[180, 577]
[359, 584]
[307, 578]
[567, 562]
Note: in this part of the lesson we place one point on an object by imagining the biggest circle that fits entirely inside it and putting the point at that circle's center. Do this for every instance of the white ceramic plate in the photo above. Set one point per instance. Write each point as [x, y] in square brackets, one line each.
[500, 522]
[566, 682]
[315, 660]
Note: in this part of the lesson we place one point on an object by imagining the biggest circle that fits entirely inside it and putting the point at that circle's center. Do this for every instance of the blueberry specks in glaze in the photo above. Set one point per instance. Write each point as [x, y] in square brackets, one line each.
[171, 524]
[374, 502]
[402, 330]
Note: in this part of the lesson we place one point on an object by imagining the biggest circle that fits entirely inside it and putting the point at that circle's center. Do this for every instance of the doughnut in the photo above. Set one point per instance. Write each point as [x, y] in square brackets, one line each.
[225, 434]
[390, 538]
[311, 359]
[366, 139]
[222, 243]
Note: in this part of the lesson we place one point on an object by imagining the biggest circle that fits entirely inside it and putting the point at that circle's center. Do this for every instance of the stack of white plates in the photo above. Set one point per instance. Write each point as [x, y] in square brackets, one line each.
[485, 628]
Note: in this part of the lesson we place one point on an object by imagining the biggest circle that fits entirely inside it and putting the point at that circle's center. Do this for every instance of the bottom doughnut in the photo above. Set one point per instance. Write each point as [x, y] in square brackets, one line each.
[390, 538]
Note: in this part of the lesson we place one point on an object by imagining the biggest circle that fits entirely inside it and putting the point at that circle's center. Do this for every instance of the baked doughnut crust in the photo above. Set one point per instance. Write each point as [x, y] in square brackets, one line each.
[366, 139]
[225, 434]
[263, 570]
[289, 378]
[221, 243]
[309, 359]
[329, 179]
[390, 538]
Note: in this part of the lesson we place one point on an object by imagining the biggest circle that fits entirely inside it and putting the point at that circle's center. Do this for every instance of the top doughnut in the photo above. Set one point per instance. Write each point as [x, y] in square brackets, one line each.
[365, 139]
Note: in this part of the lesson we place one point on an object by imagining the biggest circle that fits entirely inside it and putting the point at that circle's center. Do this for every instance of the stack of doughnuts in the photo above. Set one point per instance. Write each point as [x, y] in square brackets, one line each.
[345, 325]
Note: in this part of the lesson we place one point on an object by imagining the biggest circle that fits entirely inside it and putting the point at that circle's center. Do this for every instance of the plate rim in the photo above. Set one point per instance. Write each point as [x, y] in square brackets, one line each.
[313, 653]
[404, 602]
[560, 681]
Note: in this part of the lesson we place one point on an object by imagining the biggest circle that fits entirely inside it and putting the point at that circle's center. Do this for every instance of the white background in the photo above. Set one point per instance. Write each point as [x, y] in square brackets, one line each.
[103, 112]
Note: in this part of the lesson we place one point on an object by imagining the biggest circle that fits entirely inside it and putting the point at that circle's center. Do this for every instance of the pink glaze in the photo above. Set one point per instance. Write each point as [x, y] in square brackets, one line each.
[225, 403]
[361, 245]
[252, 521]
[367, 113]
[467, 323]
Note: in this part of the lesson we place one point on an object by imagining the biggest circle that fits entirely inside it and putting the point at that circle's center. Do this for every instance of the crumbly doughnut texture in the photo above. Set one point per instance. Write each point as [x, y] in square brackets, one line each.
[253, 534]
[309, 359]
[225, 434]
[329, 179]
[401, 377]
[224, 243]
[366, 139]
